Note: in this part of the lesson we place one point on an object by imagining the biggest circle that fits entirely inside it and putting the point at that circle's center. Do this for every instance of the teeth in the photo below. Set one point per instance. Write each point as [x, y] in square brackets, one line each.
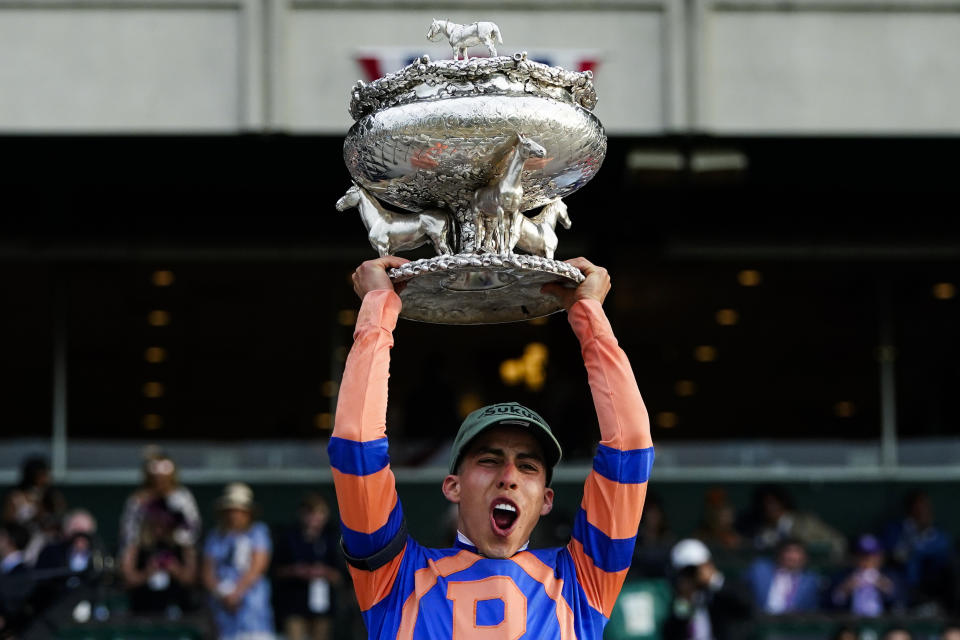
[506, 507]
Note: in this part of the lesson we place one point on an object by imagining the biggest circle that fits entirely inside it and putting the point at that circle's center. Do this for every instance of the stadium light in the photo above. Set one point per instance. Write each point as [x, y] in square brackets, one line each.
[705, 353]
[162, 278]
[727, 317]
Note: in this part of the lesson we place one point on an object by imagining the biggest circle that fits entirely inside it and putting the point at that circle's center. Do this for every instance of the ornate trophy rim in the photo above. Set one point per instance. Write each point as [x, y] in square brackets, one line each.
[425, 80]
[488, 288]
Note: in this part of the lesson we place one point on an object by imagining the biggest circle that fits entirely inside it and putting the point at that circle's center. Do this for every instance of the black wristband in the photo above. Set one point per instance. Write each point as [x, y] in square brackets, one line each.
[382, 557]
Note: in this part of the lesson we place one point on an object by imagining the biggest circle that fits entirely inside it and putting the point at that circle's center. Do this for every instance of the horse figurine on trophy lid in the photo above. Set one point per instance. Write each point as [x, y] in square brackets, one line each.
[466, 151]
[463, 36]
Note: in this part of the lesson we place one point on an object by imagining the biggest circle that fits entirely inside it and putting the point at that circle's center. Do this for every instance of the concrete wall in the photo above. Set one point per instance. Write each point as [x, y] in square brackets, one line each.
[827, 67]
[662, 66]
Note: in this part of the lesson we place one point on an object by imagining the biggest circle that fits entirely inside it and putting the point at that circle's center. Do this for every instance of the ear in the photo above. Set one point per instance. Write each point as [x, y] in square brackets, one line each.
[451, 489]
[547, 501]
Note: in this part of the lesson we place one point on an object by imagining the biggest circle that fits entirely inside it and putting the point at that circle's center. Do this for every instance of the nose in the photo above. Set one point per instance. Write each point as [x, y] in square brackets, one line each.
[508, 478]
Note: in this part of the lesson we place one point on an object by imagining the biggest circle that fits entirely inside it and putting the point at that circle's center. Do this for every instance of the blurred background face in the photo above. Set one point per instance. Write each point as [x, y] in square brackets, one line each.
[160, 475]
[42, 478]
[237, 519]
[793, 557]
[773, 508]
[315, 518]
[869, 560]
[921, 511]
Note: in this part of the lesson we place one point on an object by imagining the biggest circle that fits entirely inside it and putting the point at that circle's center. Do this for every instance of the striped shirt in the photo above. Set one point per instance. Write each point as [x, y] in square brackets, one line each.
[408, 591]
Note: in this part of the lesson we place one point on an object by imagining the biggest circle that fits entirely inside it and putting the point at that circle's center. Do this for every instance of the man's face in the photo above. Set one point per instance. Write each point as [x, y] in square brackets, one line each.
[501, 490]
[793, 557]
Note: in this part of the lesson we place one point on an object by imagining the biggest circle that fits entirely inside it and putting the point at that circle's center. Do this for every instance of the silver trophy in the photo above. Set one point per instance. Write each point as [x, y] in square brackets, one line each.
[466, 151]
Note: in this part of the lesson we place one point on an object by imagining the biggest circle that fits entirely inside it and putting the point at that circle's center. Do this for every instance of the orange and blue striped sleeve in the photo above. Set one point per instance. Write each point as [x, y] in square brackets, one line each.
[370, 514]
[605, 528]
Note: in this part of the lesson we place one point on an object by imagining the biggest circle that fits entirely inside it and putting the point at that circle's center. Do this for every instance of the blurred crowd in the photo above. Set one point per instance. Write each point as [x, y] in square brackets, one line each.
[775, 560]
[236, 579]
[241, 579]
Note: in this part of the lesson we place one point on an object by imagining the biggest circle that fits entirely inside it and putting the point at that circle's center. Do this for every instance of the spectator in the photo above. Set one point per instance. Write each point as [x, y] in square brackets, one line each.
[717, 526]
[160, 482]
[35, 504]
[13, 540]
[867, 590]
[896, 633]
[78, 543]
[651, 555]
[236, 558]
[705, 605]
[950, 632]
[773, 517]
[14, 583]
[922, 553]
[308, 570]
[845, 633]
[784, 586]
[158, 571]
[67, 562]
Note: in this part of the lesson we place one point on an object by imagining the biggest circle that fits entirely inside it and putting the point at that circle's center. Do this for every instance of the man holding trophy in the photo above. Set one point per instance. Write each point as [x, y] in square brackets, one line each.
[443, 139]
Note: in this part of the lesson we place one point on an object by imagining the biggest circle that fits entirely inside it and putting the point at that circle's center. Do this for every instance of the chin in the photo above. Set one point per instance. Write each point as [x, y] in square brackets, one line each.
[499, 551]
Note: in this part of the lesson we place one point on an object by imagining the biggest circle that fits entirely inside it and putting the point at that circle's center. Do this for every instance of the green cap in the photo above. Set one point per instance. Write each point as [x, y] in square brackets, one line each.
[509, 414]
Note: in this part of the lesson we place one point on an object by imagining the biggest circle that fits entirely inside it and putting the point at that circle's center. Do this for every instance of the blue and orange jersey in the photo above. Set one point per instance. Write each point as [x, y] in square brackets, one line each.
[408, 591]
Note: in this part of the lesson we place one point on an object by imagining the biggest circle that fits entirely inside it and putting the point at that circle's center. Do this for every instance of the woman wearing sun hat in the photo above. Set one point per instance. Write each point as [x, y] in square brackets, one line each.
[236, 558]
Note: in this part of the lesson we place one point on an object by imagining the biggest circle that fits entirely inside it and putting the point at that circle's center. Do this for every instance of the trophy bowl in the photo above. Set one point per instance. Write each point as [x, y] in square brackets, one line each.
[466, 150]
[437, 154]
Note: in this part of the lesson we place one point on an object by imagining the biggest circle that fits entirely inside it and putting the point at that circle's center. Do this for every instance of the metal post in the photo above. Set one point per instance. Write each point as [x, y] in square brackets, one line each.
[58, 444]
[886, 356]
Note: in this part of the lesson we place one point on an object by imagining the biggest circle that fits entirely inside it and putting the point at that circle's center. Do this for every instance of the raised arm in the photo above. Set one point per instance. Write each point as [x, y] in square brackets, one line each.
[372, 522]
[605, 528]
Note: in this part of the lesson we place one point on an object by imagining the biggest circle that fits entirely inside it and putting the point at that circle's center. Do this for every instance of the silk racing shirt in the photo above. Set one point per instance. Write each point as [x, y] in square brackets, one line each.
[407, 591]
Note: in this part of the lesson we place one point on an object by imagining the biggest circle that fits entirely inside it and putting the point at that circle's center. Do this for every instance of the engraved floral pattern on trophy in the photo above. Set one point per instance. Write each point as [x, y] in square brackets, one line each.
[469, 149]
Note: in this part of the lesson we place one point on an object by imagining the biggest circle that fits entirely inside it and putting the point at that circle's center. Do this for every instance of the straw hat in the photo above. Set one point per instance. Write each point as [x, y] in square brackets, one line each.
[236, 495]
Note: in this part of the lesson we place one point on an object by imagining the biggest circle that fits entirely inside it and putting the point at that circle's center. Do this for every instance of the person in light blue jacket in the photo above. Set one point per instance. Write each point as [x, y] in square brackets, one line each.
[236, 558]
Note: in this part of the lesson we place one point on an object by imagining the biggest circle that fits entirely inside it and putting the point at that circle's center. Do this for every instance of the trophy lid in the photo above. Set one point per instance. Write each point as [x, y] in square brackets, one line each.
[426, 80]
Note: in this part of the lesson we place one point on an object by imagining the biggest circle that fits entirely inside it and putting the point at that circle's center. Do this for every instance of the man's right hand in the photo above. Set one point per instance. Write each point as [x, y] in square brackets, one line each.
[372, 275]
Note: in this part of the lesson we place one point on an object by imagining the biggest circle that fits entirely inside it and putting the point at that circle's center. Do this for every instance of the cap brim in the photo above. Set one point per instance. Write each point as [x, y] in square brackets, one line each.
[548, 442]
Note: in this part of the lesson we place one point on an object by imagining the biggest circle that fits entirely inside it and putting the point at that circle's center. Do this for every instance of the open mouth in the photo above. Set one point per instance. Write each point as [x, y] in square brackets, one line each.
[503, 515]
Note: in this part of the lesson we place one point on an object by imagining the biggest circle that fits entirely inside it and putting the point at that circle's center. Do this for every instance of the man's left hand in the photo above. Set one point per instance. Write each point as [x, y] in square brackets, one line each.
[595, 286]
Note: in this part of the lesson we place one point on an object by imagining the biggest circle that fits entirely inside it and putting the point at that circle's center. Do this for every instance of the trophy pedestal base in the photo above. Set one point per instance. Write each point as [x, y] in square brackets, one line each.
[472, 288]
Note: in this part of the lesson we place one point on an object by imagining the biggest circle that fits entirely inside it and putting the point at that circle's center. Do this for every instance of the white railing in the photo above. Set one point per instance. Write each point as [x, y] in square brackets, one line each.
[287, 461]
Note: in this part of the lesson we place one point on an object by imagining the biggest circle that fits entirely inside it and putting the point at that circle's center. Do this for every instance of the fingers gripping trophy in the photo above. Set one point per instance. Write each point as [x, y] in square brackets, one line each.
[472, 156]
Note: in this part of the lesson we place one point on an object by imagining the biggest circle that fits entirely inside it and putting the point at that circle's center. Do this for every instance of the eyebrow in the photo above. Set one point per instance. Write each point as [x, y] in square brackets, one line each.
[523, 455]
